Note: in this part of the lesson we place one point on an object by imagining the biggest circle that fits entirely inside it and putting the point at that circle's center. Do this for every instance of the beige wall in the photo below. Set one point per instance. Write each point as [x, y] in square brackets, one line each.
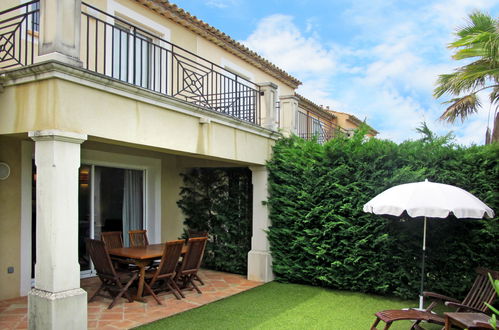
[10, 215]
[172, 217]
[346, 124]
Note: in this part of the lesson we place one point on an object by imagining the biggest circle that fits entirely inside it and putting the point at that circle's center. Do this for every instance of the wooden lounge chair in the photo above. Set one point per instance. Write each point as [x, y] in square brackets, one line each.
[191, 262]
[138, 238]
[480, 293]
[165, 272]
[115, 282]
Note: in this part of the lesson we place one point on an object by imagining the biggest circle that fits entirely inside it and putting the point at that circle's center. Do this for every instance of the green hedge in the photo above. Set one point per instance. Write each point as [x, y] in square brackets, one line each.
[321, 236]
[219, 200]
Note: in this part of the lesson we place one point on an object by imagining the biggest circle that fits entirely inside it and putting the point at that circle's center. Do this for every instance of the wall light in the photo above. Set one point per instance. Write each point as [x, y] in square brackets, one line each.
[4, 171]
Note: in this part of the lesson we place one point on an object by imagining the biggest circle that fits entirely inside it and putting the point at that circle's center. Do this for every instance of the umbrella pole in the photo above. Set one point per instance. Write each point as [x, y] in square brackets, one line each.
[421, 305]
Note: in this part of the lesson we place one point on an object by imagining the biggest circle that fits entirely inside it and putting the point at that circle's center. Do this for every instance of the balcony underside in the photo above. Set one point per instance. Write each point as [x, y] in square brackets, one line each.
[56, 96]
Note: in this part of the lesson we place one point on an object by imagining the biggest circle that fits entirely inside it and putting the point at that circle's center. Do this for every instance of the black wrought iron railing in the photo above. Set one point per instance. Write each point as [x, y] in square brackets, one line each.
[309, 127]
[18, 29]
[115, 48]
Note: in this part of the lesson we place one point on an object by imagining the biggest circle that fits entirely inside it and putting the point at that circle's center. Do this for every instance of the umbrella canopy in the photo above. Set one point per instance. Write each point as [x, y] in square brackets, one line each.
[428, 199]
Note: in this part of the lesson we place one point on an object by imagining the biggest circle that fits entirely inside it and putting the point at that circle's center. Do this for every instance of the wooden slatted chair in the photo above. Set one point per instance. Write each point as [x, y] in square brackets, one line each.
[138, 238]
[191, 262]
[197, 233]
[165, 272]
[115, 282]
[480, 293]
[112, 239]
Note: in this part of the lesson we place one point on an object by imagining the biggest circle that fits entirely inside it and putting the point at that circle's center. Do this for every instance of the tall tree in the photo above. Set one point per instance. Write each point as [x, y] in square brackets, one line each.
[478, 45]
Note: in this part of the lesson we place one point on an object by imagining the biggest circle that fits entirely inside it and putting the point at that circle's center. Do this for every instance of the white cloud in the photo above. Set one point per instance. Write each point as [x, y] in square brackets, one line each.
[451, 18]
[221, 3]
[386, 73]
[279, 39]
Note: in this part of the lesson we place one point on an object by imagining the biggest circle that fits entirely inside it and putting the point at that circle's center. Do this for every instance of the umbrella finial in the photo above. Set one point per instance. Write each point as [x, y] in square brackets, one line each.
[426, 180]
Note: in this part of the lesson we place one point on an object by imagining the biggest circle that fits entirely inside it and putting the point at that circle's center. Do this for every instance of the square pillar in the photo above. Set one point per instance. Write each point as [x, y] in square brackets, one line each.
[259, 258]
[60, 25]
[289, 114]
[268, 105]
[57, 301]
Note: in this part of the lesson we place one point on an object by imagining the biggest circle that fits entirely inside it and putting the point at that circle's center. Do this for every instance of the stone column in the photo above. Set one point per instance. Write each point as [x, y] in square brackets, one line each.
[259, 258]
[57, 301]
[289, 113]
[60, 24]
[268, 105]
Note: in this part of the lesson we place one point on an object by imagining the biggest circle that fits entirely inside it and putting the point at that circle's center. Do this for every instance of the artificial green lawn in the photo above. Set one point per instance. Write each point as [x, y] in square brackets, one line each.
[288, 306]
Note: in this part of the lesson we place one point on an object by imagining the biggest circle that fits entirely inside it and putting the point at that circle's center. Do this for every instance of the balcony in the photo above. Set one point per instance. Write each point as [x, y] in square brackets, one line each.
[309, 127]
[118, 50]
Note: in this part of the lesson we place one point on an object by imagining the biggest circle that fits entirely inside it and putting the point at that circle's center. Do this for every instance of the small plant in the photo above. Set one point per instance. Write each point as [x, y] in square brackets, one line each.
[493, 319]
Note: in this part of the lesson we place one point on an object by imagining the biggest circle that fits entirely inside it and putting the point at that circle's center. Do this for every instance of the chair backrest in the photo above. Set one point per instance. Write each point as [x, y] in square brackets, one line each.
[194, 255]
[138, 238]
[169, 259]
[481, 291]
[197, 233]
[112, 239]
[100, 257]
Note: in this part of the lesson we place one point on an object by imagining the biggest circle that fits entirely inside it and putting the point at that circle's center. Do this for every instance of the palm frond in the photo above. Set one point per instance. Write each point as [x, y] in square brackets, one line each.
[485, 45]
[479, 40]
[461, 81]
[478, 22]
[461, 108]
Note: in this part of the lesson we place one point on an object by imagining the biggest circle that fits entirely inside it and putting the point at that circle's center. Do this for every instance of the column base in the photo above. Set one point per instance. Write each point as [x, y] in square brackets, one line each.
[260, 266]
[60, 310]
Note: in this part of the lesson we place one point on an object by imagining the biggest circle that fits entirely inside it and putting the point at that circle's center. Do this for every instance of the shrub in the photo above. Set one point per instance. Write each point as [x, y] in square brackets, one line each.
[321, 236]
[219, 201]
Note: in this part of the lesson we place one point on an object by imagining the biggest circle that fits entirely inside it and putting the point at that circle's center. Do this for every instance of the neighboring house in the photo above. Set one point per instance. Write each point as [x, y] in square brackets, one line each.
[314, 121]
[323, 123]
[350, 123]
[104, 104]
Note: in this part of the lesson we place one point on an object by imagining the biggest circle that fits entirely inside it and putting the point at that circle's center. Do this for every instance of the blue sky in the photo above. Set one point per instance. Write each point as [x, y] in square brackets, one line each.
[376, 59]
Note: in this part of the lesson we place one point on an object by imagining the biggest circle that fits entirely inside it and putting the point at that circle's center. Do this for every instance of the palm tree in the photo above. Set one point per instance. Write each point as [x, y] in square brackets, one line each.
[478, 44]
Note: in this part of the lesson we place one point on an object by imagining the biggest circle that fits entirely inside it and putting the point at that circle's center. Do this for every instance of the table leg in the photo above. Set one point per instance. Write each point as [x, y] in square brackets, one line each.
[142, 272]
[447, 323]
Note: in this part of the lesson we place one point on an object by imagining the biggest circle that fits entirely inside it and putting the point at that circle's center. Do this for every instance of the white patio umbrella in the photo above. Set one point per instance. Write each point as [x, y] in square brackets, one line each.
[427, 199]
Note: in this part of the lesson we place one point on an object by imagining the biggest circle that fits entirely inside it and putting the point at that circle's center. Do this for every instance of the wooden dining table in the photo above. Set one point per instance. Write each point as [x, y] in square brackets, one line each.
[142, 257]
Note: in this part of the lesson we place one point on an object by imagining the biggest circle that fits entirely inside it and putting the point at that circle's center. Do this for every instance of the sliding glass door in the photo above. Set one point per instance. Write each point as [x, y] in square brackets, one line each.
[110, 199]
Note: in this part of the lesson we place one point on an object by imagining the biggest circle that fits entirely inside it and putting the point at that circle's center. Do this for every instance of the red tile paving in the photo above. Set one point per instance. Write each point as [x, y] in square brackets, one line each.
[125, 315]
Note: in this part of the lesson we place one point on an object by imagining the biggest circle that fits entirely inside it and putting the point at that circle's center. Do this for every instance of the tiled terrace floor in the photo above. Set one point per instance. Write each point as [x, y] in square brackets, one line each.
[125, 315]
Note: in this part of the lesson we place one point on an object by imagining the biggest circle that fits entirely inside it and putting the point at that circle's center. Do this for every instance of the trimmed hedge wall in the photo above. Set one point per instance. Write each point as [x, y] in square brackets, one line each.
[321, 236]
[219, 200]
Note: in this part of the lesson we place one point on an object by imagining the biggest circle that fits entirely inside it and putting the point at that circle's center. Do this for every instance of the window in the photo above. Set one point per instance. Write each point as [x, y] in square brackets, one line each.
[35, 23]
[131, 56]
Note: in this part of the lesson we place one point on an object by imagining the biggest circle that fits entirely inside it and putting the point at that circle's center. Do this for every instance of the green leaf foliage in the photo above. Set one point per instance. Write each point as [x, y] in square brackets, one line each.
[320, 235]
[219, 201]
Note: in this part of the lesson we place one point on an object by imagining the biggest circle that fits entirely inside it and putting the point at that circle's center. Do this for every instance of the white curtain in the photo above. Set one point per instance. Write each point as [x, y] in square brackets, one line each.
[132, 203]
